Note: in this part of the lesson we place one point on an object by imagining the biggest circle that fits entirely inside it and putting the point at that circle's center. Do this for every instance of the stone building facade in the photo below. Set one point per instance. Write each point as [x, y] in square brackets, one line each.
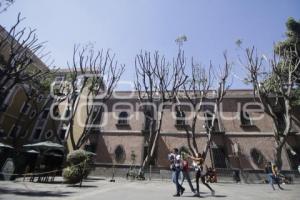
[240, 141]
[24, 110]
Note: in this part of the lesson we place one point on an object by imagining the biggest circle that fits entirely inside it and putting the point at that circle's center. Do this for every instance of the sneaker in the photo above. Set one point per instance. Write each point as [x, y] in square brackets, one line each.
[176, 195]
[182, 191]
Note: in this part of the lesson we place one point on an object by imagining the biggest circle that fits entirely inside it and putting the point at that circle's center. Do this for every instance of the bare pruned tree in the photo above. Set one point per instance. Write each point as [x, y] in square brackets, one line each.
[195, 92]
[274, 83]
[198, 90]
[96, 74]
[18, 53]
[157, 83]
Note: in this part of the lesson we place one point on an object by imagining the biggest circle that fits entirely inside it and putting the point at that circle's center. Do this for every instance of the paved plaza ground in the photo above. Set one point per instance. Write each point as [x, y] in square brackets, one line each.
[97, 189]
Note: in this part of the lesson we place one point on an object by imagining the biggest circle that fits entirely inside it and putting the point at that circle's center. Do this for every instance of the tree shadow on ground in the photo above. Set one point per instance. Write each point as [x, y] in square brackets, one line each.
[94, 179]
[284, 189]
[204, 196]
[83, 186]
[219, 195]
[33, 193]
[50, 182]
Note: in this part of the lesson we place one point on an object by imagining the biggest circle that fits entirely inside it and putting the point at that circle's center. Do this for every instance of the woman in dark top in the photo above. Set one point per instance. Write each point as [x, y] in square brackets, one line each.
[198, 160]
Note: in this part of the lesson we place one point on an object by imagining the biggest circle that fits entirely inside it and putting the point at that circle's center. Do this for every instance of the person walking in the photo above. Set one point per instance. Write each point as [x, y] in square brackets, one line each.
[186, 172]
[272, 175]
[276, 175]
[236, 176]
[269, 173]
[200, 174]
[176, 166]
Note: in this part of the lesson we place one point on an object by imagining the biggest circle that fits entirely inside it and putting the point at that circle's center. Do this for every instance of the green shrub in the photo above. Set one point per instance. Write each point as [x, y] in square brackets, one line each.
[77, 157]
[79, 166]
[72, 175]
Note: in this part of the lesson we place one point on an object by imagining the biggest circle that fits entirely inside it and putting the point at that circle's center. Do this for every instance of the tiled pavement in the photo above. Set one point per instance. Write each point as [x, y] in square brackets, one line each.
[97, 189]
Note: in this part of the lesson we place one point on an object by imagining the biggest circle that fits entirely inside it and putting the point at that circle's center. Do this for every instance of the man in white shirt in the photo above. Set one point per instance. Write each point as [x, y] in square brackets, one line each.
[176, 167]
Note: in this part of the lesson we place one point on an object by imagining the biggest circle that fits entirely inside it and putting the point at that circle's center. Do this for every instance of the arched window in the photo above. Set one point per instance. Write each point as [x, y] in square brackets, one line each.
[67, 112]
[219, 157]
[208, 119]
[180, 118]
[245, 118]
[55, 110]
[216, 126]
[123, 118]
[257, 156]
[120, 154]
[147, 121]
[25, 108]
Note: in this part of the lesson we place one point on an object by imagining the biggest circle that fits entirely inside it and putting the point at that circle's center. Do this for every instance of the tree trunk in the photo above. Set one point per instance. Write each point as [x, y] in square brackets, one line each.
[150, 154]
[152, 144]
[192, 148]
[278, 159]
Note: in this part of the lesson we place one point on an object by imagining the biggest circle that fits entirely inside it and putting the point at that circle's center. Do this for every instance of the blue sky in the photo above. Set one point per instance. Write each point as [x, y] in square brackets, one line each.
[128, 26]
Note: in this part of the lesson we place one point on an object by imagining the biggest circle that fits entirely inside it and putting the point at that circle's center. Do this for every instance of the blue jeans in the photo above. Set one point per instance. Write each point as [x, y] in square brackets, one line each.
[274, 179]
[270, 178]
[175, 179]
